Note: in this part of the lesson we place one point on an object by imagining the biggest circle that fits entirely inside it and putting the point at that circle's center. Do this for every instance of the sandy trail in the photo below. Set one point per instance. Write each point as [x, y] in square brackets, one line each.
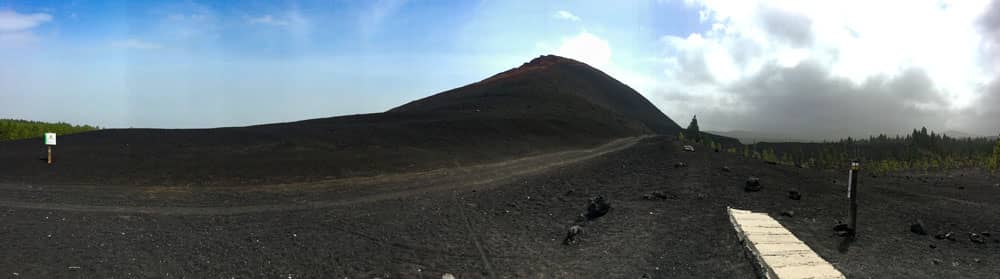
[362, 190]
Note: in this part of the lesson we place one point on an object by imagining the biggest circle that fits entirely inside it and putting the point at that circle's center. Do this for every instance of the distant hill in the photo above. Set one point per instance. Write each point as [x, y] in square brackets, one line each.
[749, 137]
[15, 129]
[548, 104]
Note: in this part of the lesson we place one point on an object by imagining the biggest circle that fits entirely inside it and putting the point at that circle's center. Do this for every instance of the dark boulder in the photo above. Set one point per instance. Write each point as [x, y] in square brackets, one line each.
[726, 169]
[795, 195]
[571, 234]
[752, 184]
[597, 207]
[977, 238]
[918, 228]
[945, 235]
[788, 213]
[680, 165]
[657, 195]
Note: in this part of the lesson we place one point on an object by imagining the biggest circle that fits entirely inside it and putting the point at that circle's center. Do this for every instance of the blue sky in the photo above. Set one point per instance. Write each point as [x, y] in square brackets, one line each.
[808, 69]
[223, 63]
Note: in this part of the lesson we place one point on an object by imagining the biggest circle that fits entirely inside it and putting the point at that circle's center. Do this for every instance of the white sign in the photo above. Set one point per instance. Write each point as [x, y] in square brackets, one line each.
[50, 138]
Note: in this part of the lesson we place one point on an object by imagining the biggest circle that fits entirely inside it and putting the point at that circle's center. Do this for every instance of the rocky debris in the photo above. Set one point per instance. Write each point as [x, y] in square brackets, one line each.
[656, 195]
[986, 234]
[945, 235]
[841, 229]
[646, 276]
[571, 234]
[976, 238]
[976, 260]
[918, 228]
[795, 195]
[680, 165]
[597, 207]
[726, 169]
[788, 213]
[752, 185]
[937, 261]
[933, 246]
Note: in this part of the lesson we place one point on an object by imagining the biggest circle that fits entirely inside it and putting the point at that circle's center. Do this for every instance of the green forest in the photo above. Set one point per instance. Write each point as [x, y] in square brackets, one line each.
[15, 129]
[920, 150]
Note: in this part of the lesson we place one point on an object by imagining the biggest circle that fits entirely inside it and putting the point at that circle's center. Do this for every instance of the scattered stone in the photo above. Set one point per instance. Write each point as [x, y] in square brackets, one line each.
[918, 228]
[937, 261]
[597, 207]
[726, 169]
[976, 238]
[842, 229]
[571, 234]
[986, 234]
[795, 195]
[788, 213]
[752, 185]
[680, 165]
[656, 195]
[447, 276]
[646, 275]
[976, 260]
[947, 235]
[933, 246]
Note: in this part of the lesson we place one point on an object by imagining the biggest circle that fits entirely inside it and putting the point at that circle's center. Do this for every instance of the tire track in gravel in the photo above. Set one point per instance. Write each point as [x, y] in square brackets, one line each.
[474, 177]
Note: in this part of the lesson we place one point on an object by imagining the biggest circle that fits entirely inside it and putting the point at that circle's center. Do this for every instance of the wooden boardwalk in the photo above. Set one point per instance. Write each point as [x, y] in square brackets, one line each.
[776, 251]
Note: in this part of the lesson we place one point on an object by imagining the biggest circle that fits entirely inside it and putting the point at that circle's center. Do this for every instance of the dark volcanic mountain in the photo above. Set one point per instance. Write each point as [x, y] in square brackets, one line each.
[549, 104]
[550, 85]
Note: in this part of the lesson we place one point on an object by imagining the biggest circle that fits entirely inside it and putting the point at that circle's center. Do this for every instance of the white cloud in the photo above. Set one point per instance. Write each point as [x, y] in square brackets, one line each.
[11, 21]
[565, 15]
[135, 44]
[16, 29]
[587, 48]
[370, 21]
[857, 41]
[268, 20]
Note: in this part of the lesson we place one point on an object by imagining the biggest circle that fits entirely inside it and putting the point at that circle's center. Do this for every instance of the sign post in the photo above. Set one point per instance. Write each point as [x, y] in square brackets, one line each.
[852, 194]
[50, 140]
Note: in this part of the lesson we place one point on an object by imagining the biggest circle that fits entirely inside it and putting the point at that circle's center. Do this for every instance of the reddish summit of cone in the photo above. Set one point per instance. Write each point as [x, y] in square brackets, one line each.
[542, 62]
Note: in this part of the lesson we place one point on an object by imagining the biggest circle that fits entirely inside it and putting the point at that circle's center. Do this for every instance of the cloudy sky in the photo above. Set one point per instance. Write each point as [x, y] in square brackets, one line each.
[823, 69]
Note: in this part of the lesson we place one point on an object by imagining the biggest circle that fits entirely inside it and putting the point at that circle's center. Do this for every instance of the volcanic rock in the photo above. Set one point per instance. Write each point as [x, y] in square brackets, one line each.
[977, 238]
[918, 228]
[795, 195]
[752, 184]
[945, 235]
[597, 207]
[571, 234]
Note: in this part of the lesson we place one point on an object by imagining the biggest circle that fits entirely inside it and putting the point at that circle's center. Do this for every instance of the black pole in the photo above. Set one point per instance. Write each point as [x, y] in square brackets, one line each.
[852, 194]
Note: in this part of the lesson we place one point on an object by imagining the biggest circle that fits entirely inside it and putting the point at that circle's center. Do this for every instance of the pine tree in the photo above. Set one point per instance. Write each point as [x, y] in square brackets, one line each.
[693, 132]
[995, 162]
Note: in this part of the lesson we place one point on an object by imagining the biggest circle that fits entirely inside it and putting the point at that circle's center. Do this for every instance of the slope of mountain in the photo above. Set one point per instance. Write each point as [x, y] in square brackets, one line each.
[549, 104]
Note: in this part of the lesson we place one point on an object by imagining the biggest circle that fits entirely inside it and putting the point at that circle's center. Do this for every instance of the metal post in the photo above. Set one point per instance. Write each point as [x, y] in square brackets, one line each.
[852, 194]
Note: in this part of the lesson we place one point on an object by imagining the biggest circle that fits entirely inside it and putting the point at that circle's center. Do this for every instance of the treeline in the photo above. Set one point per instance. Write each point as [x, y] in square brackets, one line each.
[15, 129]
[920, 150]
